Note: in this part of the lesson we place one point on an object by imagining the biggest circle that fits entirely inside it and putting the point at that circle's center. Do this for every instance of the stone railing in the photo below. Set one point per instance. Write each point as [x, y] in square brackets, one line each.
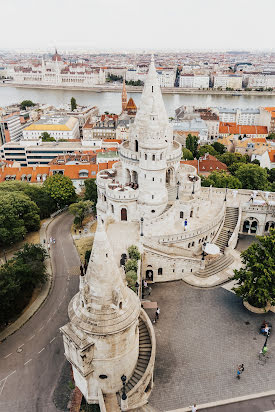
[175, 153]
[171, 251]
[127, 153]
[234, 237]
[136, 396]
[122, 194]
[179, 237]
[238, 193]
[248, 207]
[160, 218]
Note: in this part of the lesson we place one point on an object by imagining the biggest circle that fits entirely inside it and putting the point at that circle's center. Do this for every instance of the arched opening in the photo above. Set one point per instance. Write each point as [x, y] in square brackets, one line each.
[159, 271]
[269, 225]
[169, 176]
[135, 177]
[254, 226]
[128, 176]
[149, 274]
[124, 214]
[136, 145]
[120, 305]
[191, 213]
[250, 226]
[181, 215]
[145, 156]
[153, 157]
[112, 208]
[246, 225]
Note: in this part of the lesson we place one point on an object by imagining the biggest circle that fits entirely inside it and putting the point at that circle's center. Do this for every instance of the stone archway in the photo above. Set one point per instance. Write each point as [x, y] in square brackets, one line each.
[149, 274]
[269, 225]
[127, 176]
[250, 226]
[123, 213]
[134, 177]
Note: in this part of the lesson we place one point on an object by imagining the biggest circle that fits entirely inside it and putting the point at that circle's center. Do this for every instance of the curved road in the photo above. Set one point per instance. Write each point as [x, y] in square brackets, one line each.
[28, 376]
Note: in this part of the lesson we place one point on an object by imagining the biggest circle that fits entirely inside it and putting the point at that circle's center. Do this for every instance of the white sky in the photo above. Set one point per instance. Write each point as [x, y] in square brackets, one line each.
[138, 24]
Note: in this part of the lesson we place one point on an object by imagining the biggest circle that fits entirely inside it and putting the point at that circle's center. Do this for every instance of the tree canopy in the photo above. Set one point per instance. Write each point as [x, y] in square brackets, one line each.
[26, 103]
[19, 215]
[73, 104]
[207, 149]
[61, 189]
[91, 190]
[219, 147]
[192, 144]
[221, 179]
[133, 252]
[187, 154]
[256, 280]
[46, 137]
[230, 158]
[18, 278]
[252, 176]
[36, 193]
[80, 210]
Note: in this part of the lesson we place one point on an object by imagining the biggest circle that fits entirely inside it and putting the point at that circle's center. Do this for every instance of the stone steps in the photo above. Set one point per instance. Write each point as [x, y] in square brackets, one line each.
[145, 347]
[216, 267]
[230, 221]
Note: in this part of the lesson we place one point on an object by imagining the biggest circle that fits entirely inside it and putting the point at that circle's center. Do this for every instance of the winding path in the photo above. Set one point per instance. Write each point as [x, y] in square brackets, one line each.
[32, 358]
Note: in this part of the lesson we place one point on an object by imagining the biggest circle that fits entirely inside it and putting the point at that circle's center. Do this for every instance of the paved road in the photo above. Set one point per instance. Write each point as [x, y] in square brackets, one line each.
[28, 378]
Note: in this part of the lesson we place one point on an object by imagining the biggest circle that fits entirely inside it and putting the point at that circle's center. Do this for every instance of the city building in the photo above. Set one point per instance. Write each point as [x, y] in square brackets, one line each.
[206, 165]
[227, 81]
[12, 125]
[261, 81]
[194, 81]
[228, 128]
[60, 128]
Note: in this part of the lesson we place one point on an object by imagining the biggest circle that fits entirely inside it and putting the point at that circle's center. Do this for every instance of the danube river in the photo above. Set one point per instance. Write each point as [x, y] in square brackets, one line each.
[111, 102]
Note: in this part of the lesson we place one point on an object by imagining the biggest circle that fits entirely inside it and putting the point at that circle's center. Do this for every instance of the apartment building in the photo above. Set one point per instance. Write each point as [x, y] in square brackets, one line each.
[59, 127]
[11, 127]
[230, 81]
[194, 81]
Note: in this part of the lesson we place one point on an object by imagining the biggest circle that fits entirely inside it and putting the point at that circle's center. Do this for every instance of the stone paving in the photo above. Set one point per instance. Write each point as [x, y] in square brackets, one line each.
[202, 335]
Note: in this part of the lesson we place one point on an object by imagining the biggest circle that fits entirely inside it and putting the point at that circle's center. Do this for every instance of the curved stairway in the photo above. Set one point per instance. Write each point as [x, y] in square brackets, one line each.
[145, 349]
[216, 266]
[172, 193]
[230, 221]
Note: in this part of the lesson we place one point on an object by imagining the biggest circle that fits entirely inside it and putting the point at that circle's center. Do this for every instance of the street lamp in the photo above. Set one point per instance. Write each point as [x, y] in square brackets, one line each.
[178, 185]
[225, 194]
[141, 226]
[124, 402]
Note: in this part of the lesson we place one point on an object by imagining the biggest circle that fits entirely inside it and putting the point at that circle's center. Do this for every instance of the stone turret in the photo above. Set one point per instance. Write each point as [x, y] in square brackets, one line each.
[102, 338]
[124, 97]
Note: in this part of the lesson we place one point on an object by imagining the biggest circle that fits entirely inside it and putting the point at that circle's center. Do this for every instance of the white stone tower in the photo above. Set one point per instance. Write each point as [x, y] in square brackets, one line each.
[152, 137]
[102, 338]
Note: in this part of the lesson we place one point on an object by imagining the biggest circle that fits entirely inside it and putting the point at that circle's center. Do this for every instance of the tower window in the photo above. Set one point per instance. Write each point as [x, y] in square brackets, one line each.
[145, 156]
[161, 156]
[152, 89]
[152, 196]
[153, 179]
[154, 157]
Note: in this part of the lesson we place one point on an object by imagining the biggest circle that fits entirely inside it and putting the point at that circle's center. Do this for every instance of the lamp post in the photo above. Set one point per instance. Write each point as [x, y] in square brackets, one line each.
[141, 226]
[124, 401]
[178, 185]
[225, 194]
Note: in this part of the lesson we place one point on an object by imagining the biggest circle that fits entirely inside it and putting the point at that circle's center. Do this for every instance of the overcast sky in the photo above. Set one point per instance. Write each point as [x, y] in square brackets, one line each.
[140, 24]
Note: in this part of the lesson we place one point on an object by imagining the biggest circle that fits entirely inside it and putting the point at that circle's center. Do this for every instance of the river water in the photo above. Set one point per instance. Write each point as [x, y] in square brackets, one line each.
[111, 102]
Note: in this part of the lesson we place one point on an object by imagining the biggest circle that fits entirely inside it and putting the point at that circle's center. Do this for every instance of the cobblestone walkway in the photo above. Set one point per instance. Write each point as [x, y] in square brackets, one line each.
[202, 335]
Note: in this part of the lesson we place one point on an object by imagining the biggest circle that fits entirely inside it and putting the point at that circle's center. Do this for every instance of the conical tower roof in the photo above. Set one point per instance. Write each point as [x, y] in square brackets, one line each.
[151, 100]
[104, 304]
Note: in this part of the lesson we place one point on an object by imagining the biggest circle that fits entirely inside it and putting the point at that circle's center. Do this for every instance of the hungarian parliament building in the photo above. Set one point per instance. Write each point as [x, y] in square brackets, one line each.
[57, 73]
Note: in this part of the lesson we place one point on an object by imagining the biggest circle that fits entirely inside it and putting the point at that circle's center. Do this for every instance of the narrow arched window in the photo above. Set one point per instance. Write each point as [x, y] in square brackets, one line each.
[145, 156]
[154, 157]
[152, 89]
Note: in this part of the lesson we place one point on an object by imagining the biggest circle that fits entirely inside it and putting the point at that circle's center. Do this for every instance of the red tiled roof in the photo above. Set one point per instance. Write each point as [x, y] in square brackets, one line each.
[272, 156]
[208, 163]
[233, 128]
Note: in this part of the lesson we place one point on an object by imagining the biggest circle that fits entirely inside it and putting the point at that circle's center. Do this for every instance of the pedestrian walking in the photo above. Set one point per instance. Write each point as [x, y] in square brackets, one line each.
[85, 266]
[137, 287]
[81, 270]
[194, 408]
[145, 284]
[240, 371]
[53, 240]
[157, 313]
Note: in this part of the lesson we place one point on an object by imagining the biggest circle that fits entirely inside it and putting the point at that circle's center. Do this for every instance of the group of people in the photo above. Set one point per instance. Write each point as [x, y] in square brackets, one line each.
[52, 240]
[265, 328]
[240, 370]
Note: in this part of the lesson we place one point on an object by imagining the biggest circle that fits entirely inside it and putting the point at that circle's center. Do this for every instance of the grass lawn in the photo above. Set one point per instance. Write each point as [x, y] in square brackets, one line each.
[84, 244]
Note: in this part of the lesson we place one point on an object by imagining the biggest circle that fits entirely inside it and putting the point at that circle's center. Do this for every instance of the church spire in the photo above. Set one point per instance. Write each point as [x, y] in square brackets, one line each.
[124, 96]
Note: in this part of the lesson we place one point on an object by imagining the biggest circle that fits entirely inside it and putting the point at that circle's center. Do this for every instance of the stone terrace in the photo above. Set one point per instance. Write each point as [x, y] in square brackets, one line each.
[202, 335]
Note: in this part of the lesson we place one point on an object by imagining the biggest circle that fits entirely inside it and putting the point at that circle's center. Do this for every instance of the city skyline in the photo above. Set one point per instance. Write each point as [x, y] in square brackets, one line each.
[175, 26]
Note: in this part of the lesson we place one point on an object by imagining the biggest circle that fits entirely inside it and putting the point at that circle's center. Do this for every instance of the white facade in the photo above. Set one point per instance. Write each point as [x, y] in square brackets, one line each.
[261, 81]
[58, 127]
[194, 81]
[224, 81]
[166, 77]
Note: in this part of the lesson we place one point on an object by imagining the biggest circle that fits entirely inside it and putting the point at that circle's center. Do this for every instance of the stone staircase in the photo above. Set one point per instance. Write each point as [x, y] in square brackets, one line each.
[172, 193]
[145, 348]
[216, 266]
[230, 221]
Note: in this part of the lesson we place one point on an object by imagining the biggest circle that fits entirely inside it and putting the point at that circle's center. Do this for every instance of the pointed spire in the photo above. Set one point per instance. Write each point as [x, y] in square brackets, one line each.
[124, 96]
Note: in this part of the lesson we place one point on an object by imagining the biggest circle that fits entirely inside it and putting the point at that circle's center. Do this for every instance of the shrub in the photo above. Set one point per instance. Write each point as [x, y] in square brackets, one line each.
[133, 252]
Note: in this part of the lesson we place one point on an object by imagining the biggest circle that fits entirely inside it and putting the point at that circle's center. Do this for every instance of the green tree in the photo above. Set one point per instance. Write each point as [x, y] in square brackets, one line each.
[271, 136]
[230, 158]
[18, 216]
[91, 191]
[131, 277]
[80, 210]
[131, 264]
[207, 149]
[133, 252]
[219, 147]
[221, 179]
[36, 193]
[46, 137]
[61, 189]
[187, 154]
[73, 104]
[25, 104]
[271, 175]
[192, 144]
[256, 279]
[252, 177]
[18, 278]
